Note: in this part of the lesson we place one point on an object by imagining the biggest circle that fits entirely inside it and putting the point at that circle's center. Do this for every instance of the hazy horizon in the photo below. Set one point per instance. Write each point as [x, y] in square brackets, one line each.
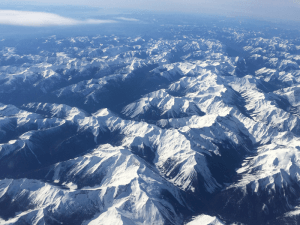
[272, 10]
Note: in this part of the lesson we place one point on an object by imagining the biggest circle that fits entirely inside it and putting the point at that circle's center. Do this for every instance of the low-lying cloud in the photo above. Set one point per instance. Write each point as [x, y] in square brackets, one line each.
[130, 19]
[42, 19]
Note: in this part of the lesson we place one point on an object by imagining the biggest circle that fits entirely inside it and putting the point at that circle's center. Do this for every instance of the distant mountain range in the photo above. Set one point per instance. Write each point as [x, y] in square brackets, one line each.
[192, 125]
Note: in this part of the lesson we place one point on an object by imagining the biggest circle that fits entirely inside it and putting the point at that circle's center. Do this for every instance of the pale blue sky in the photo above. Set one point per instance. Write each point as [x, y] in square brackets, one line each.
[265, 9]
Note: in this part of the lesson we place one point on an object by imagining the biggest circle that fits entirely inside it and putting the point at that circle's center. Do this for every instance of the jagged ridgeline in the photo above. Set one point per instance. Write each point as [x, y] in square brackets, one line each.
[184, 125]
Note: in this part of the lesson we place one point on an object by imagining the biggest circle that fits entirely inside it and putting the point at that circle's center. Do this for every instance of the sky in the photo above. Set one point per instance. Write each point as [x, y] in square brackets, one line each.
[272, 10]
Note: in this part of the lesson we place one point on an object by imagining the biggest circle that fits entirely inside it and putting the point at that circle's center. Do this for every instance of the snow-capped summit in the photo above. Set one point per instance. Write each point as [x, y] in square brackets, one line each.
[186, 125]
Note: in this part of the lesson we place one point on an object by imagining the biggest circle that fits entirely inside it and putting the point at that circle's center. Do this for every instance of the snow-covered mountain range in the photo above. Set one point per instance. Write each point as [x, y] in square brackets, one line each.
[199, 127]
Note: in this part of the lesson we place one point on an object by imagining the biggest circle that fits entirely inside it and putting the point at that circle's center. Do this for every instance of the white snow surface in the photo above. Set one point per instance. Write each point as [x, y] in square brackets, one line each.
[205, 105]
[205, 220]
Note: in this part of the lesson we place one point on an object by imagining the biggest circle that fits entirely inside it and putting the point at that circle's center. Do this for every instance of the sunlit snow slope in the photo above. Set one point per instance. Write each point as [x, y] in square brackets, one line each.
[200, 126]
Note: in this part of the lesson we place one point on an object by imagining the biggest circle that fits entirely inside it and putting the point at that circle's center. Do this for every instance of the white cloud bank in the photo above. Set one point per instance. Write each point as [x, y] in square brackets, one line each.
[130, 19]
[41, 19]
